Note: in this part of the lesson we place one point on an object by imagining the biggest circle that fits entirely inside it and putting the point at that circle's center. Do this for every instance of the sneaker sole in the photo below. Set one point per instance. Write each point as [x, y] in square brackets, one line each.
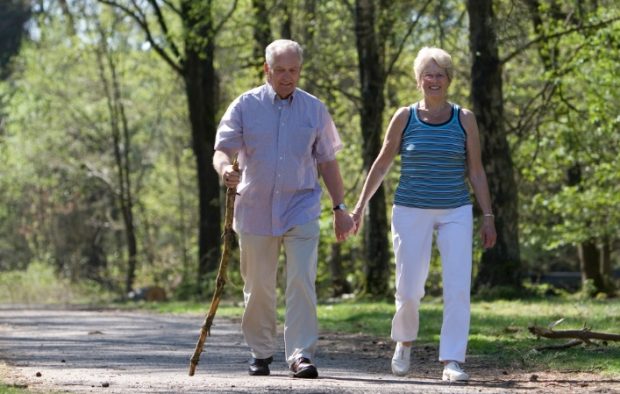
[399, 372]
[448, 379]
[307, 373]
[258, 373]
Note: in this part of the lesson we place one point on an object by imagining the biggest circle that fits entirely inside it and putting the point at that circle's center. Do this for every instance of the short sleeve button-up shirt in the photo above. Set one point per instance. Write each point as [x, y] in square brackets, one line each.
[279, 144]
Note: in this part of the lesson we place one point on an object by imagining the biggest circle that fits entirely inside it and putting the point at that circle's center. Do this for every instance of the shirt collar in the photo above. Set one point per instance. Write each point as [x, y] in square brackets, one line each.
[271, 93]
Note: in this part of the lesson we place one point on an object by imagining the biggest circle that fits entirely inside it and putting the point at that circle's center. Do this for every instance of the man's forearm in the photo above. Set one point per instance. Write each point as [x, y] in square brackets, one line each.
[330, 171]
[220, 160]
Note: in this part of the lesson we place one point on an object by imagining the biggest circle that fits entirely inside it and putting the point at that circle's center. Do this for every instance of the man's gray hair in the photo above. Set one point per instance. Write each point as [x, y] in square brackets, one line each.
[280, 46]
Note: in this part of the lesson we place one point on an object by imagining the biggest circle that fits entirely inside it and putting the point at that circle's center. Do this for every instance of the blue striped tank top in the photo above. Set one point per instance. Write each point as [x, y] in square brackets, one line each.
[433, 163]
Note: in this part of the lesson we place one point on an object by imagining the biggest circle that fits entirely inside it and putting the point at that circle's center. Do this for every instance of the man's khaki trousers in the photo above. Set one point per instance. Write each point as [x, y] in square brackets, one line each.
[259, 267]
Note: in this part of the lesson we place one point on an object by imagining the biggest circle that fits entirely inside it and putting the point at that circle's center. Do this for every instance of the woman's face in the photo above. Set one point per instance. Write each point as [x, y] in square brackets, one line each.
[434, 81]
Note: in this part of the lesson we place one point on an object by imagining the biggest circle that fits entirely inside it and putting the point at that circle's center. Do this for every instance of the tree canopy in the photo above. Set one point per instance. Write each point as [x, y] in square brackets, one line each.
[108, 111]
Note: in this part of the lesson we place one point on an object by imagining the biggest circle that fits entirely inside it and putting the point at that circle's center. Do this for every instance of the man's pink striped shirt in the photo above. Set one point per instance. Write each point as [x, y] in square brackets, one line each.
[279, 144]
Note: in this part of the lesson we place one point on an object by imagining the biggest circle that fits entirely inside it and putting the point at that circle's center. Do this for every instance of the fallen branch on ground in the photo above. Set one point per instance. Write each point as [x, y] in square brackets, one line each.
[585, 335]
[571, 343]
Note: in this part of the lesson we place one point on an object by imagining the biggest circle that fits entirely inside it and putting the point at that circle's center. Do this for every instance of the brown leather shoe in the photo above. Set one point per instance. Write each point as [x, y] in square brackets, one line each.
[259, 366]
[303, 368]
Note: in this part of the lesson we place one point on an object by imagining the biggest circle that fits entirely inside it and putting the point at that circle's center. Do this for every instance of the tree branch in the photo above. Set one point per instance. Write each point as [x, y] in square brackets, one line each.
[141, 20]
[164, 28]
[172, 7]
[225, 18]
[572, 343]
[555, 35]
[584, 334]
[402, 43]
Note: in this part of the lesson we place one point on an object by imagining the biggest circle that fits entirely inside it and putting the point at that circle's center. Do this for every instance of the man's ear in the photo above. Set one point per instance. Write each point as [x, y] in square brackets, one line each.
[266, 68]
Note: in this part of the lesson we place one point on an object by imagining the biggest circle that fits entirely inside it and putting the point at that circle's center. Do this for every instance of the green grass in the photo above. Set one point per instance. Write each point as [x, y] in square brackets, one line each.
[499, 330]
[39, 284]
[12, 389]
[498, 334]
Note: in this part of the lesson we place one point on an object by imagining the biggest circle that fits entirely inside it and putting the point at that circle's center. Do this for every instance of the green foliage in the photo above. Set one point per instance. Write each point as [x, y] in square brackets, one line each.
[58, 193]
[39, 284]
[565, 140]
[60, 155]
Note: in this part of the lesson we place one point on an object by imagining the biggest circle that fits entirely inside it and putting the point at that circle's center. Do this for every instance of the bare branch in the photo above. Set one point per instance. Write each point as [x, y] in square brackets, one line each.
[172, 7]
[329, 86]
[402, 42]
[164, 28]
[569, 344]
[141, 20]
[585, 334]
[225, 18]
[546, 37]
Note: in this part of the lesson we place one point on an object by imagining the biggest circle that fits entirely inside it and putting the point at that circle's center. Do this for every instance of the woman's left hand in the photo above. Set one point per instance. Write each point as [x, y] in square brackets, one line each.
[487, 232]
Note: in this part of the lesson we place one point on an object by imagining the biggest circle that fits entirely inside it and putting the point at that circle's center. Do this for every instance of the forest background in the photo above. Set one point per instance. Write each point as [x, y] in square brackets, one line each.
[108, 112]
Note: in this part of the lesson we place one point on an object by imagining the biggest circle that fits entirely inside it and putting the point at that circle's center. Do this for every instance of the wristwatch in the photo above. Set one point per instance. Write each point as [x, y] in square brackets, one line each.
[340, 207]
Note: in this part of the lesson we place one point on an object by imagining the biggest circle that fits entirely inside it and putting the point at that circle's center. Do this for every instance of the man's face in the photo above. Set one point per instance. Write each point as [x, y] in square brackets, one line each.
[284, 74]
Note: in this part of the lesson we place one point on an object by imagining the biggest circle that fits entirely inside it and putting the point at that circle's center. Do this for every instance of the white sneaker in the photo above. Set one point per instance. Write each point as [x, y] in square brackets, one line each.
[452, 372]
[401, 359]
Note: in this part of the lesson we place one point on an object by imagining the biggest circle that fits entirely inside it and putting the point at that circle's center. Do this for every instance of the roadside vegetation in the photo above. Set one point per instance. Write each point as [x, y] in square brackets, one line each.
[499, 328]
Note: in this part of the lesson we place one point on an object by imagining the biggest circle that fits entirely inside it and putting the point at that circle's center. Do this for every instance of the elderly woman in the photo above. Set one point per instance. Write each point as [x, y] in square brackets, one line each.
[439, 147]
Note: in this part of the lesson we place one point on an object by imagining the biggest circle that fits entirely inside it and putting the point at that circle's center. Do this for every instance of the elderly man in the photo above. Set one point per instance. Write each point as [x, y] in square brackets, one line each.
[282, 136]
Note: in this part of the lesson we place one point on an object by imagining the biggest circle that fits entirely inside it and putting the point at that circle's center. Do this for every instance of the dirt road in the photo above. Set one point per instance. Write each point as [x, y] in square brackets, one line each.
[86, 351]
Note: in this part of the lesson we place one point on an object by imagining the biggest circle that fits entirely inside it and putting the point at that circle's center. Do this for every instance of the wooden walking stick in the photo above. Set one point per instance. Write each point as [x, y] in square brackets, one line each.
[228, 235]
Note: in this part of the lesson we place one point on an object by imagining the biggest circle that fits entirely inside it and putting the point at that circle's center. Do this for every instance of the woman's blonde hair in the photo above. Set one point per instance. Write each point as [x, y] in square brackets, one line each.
[428, 54]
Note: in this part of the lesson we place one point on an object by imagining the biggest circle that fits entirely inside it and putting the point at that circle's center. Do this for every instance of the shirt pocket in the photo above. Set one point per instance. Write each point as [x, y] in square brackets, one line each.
[259, 139]
[302, 146]
[302, 143]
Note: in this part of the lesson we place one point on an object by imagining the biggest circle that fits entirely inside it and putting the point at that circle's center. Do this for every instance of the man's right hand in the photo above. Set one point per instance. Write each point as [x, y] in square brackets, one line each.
[230, 177]
[343, 225]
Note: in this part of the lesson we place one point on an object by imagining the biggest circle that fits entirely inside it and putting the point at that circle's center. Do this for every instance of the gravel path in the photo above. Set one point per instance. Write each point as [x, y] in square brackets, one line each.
[86, 351]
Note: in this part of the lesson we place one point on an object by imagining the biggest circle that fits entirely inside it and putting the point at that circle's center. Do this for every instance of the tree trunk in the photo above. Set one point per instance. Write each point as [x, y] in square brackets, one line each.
[262, 35]
[589, 262]
[499, 266]
[286, 28]
[308, 33]
[372, 81]
[182, 228]
[589, 256]
[201, 88]
[121, 139]
[606, 271]
[340, 285]
[14, 14]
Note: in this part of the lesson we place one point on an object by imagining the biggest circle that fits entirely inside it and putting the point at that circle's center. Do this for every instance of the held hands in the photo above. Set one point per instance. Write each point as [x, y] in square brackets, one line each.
[343, 225]
[358, 219]
[230, 177]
